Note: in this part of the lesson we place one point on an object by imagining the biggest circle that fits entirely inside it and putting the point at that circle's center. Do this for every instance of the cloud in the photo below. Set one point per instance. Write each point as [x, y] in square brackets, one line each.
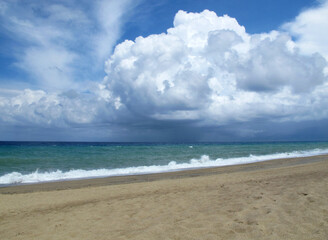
[207, 68]
[110, 18]
[308, 28]
[205, 74]
[54, 42]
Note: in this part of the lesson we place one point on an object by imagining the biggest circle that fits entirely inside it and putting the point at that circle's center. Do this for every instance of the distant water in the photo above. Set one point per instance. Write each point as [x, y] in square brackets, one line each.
[30, 162]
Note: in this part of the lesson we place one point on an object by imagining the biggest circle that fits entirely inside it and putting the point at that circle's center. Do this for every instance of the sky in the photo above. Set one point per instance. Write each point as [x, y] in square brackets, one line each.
[164, 71]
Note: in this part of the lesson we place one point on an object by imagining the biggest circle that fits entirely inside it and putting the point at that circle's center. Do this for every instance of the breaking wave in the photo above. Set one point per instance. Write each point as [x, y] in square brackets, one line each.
[203, 162]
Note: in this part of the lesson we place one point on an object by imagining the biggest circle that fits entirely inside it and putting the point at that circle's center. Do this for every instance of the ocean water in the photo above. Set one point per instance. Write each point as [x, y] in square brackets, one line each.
[31, 162]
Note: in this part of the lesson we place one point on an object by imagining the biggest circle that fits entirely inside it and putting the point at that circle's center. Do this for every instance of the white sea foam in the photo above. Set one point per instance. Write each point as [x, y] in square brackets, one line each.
[203, 162]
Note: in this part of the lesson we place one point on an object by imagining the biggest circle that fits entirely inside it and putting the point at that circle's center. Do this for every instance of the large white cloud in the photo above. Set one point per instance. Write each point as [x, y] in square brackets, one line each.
[207, 68]
[205, 71]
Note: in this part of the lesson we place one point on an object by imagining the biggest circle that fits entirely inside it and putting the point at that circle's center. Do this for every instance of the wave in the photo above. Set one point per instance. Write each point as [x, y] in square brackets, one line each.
[203, 162]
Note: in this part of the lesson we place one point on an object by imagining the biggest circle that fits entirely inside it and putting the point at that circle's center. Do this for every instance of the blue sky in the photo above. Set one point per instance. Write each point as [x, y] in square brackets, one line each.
[153, 17]
[164, 70]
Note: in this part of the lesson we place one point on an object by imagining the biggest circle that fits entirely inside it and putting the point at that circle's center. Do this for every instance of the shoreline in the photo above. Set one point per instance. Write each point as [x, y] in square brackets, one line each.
[278, 199]
[150, 177]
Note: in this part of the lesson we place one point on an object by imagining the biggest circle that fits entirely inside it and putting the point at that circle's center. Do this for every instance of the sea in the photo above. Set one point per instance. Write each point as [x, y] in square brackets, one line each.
[34, 162]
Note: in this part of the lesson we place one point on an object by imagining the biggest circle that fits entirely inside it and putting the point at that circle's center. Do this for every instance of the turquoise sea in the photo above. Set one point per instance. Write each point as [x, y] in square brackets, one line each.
[30, 162]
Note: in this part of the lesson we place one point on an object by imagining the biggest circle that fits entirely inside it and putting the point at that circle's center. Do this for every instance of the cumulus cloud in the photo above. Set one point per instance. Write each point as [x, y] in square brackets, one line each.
[207, 68]
[309, 28]
[206, 72]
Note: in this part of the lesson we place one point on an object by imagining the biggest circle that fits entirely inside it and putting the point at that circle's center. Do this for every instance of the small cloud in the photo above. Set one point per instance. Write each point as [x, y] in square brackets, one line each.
[308, 29]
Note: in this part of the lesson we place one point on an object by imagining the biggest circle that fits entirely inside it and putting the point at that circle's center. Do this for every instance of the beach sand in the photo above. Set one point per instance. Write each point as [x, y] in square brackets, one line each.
[279, 199]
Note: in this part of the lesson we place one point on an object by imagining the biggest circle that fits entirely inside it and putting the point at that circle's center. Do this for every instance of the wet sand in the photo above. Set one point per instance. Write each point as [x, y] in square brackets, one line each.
[279, 199]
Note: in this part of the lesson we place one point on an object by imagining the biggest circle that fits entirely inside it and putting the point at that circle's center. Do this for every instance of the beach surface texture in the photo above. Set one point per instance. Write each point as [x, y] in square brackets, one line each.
[279, 199]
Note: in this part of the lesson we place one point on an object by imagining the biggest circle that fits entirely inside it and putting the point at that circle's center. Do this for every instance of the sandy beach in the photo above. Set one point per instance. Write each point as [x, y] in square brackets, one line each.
[278, 199]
